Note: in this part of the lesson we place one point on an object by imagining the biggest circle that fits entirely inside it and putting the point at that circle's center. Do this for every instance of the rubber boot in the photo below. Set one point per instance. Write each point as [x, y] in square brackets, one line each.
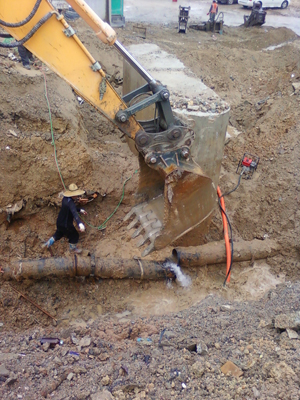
[49, 242]
[74, 249]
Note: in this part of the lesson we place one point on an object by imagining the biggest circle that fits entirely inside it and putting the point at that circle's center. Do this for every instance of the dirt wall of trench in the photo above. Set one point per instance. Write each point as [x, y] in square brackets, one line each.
[257, 83]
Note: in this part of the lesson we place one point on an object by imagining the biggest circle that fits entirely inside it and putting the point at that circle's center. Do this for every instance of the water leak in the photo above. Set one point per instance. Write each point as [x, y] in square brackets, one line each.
[257, 280]
[160, 298]
[129, 299]
[181, 278]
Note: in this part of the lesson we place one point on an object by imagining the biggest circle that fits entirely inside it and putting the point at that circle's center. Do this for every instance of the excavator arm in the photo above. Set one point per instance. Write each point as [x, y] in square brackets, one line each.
[178, 196]
[54, 42]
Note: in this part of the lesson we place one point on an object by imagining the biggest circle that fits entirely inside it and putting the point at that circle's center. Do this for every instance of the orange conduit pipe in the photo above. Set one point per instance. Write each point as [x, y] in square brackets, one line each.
[226, 235]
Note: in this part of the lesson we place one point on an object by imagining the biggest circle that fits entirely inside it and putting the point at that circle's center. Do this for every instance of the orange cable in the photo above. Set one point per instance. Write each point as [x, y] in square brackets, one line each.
[226, 235]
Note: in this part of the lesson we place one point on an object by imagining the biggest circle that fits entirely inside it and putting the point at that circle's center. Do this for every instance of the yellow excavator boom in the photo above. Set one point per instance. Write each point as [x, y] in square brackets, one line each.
[178, 196]
[56, 44]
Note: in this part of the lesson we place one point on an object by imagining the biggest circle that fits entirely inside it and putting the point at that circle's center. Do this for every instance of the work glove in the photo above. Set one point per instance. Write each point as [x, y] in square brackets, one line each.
[82, 211]
[81, 227]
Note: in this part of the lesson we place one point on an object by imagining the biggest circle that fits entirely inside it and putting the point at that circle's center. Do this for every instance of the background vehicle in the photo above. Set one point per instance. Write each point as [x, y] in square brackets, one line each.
[266, 3]
[176, 196]
[230, 2]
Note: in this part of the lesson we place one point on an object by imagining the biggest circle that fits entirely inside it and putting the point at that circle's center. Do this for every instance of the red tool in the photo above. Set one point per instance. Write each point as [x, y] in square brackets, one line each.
[248, 165]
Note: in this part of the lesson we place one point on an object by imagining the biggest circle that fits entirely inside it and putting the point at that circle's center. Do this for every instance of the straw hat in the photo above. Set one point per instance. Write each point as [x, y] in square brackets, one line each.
[73, 191]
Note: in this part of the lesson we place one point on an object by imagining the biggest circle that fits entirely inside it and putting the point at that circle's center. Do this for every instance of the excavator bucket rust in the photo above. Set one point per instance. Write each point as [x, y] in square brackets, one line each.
[178, 203]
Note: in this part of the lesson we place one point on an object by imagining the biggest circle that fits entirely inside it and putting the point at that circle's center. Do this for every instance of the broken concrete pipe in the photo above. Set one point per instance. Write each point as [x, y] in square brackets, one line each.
[86, 266]
[215, 252]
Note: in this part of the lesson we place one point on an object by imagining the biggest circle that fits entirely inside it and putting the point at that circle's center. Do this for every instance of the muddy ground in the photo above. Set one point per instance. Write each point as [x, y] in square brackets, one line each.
[185, 334]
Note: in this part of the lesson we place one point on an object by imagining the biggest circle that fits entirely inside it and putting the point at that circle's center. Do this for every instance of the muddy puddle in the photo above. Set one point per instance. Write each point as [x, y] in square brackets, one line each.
[127, 300]
[248, 284]
[278, 46]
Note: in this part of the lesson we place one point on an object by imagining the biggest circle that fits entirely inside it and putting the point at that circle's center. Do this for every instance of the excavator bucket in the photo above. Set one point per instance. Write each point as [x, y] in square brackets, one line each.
[180, 152]
[177, 203]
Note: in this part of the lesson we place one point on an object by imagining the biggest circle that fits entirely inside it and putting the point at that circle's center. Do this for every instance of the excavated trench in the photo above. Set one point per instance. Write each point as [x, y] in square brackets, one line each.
[90, 152]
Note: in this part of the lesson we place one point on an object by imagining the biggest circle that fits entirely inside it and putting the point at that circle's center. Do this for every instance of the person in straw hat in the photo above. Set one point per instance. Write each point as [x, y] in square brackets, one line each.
[69, 212]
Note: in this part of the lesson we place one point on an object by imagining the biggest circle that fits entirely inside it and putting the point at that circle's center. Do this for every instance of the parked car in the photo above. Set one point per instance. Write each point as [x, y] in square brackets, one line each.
[227, 1]
[265, 3]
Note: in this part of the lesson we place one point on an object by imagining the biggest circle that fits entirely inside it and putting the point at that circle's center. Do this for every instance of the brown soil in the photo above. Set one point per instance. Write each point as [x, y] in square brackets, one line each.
[258, 85]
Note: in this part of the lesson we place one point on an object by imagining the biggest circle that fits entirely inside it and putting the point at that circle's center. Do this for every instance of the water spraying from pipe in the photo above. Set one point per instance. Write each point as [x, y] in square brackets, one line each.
[182, 279]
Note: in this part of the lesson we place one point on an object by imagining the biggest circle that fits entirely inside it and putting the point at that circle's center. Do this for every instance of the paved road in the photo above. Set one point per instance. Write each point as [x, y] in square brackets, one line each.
[166, 12]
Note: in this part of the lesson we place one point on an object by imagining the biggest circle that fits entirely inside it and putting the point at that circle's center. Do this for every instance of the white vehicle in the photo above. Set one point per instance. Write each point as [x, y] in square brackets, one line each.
[265, 3]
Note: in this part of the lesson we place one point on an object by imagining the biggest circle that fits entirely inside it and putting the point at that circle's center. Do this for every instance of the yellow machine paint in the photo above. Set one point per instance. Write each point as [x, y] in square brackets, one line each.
[65, 55]
[178, 195]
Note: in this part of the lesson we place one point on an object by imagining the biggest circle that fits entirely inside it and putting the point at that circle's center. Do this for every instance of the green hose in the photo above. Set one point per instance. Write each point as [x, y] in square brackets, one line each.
[103, 225]
[52, 133]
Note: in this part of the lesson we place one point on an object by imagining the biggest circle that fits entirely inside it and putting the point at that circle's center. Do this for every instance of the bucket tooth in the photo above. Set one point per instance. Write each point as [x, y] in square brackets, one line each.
[141, 242]
[135, 210]
[133, 223]
[143, 226]
[128, 216]
[153, 234]
[137, 231]
[146, 215]
[141, 218]
[148, 250]
[147, 226]
[150, 235]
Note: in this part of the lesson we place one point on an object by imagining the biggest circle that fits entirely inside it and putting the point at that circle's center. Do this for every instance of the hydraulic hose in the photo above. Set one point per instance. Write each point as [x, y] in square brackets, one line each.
[31, 33]
[226, 223]
[229, 251]
[21, 23]
[6, 35]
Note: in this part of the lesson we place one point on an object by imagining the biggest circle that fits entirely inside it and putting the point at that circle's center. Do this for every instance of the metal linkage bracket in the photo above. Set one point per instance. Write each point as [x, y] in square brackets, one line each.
[129, 96]
[174, 138]
[69, 31]
[165, 148]
[123, 115]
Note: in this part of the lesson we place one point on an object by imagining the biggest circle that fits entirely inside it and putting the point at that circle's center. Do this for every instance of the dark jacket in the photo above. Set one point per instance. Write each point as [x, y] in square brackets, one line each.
[68, 213]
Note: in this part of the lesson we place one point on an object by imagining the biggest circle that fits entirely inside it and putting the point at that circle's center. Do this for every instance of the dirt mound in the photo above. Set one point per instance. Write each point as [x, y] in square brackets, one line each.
[182, 355]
